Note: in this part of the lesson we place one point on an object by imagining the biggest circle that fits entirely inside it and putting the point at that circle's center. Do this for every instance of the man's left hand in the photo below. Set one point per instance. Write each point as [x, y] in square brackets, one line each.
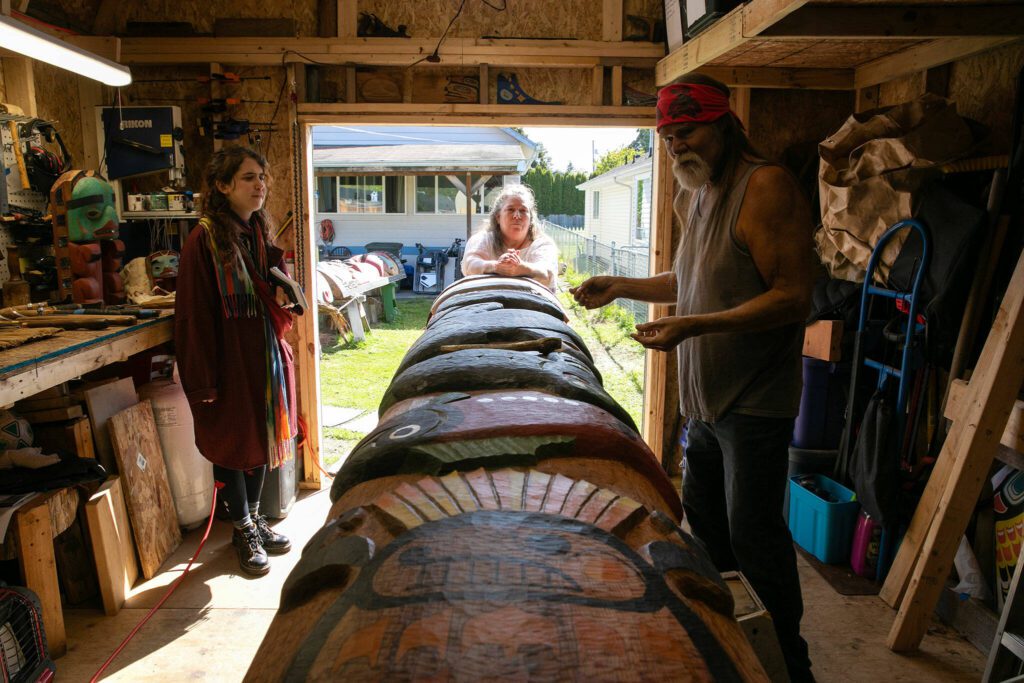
[664, 334]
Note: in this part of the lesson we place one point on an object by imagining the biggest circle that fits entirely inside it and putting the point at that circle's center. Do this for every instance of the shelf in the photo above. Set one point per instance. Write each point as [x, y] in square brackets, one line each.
[823, 45]
[155, 215]
[489, 114]
[394, 52]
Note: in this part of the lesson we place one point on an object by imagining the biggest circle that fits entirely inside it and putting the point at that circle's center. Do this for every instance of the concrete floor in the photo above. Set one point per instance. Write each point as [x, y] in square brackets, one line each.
[212, 625]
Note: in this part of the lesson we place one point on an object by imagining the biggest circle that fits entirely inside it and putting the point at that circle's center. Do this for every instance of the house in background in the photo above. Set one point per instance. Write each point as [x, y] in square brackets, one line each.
[408, 184]
[618, 205]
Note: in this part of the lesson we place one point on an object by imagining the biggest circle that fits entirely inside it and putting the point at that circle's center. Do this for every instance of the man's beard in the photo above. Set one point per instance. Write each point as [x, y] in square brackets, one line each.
[691, 171]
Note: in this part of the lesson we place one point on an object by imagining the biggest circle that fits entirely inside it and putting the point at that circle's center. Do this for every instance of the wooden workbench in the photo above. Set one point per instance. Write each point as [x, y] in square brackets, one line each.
[38, 365]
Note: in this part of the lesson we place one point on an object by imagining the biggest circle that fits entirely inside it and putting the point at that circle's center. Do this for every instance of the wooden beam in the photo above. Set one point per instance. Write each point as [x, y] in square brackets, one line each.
[1013, 435]
[970, 447]
[90, 96]
[571, 54]
[104, 21]
[656, 362]
[899, 22]
[307, 354]
[20, 84]
[923, 57]
[348, 18]
[739, 102]
[485, 85]
[351, 96]
[774, 77]
[597, 86]
[866, 98]
[616, 86]
[477, 114]
[611, 20]
[108, 47]
[39, 568]
[761, 14]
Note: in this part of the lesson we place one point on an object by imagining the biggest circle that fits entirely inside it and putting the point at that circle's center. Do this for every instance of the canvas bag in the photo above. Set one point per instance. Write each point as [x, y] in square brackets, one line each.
[871, 169]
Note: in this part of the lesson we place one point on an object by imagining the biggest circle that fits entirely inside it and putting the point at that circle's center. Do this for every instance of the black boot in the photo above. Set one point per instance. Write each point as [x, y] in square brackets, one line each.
[252, 558]
[273, 542]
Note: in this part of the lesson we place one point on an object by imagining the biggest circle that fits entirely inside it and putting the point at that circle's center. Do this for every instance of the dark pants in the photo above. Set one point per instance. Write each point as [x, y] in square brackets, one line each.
[733, 490]
[241, 492]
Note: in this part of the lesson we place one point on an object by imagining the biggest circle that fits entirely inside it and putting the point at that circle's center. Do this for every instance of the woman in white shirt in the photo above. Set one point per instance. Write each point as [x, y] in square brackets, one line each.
[512, 244]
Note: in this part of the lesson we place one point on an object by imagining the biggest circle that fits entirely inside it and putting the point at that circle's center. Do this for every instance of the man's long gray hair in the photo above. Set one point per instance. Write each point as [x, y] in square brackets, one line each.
[493, 228]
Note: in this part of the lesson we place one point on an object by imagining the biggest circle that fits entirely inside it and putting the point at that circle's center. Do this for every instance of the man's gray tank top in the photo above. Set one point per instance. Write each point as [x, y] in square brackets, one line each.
[753, 373]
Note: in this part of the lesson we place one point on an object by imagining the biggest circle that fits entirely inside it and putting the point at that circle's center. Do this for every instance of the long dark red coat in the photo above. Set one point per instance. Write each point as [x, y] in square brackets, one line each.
[223, 359]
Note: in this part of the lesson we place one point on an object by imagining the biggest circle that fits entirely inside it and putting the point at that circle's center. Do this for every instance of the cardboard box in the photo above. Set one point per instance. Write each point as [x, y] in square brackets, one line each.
[823, 339]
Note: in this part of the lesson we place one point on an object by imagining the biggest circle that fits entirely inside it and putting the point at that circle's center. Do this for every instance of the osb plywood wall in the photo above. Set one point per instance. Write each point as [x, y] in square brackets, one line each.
[202, 13]
[783, 118]
[57, 100]
[564, 86]
[3, 84]
[983, 88]
[519, 19]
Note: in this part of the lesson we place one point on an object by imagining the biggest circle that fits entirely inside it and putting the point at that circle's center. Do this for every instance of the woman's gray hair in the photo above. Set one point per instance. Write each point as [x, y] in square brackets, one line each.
[493, 228]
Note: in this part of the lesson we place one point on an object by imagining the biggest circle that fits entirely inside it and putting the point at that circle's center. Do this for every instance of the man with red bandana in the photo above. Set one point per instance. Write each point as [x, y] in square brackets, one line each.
[741, 283]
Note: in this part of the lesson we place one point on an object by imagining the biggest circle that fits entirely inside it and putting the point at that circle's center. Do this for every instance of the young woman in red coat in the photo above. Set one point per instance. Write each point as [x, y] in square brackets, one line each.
[229, 329]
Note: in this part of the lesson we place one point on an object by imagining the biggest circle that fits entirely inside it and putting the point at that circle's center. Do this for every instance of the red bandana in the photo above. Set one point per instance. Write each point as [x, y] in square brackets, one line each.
[690, 103]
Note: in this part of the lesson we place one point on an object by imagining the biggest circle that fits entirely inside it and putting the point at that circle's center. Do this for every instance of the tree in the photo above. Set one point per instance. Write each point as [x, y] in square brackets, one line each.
[543, 159]
[642, 141]
[615, 158]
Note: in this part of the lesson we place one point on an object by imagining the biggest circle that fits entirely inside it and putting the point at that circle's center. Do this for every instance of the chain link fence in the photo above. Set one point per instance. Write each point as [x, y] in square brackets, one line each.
[589, 257]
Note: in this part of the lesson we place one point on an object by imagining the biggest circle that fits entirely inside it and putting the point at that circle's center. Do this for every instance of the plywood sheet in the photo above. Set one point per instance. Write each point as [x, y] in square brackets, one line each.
[104, 402]
[148, 494]
[811, 52]
[113, 551]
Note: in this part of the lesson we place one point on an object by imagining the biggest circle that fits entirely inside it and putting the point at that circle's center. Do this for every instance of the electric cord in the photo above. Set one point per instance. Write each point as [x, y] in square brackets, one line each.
[170, 591]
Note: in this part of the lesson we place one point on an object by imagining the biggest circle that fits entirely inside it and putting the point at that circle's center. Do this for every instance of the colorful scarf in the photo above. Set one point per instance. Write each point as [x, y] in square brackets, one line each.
[691, 103]
[243, 288]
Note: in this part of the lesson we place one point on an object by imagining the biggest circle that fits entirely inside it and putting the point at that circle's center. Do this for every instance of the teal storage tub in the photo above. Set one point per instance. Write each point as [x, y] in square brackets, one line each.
[822, 528]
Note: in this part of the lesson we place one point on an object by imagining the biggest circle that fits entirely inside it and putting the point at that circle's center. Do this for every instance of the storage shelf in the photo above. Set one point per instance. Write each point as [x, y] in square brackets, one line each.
[824, 45]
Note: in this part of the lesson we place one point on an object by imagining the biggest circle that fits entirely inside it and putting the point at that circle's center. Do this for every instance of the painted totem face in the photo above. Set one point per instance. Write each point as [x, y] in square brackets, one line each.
[91, 212]
[163, 264]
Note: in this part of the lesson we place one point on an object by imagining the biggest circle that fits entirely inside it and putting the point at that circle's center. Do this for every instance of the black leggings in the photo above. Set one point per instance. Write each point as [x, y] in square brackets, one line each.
[241, 492]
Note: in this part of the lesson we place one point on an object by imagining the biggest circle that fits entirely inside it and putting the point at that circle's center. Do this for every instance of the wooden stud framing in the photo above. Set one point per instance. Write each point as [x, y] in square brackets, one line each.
[611, 20]
[485, 85]
[20, 83]
[656, 362]
[569, 54]
[348, 18]
[866, 98]
[350, 85]
[924, 57]
[739, 102]
[90, 96]
[616, 86]
[774, 77]
[307, 354]
[597, 86]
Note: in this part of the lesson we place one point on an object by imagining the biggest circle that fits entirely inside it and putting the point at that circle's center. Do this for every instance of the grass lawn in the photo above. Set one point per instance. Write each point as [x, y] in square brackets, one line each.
[356, 375]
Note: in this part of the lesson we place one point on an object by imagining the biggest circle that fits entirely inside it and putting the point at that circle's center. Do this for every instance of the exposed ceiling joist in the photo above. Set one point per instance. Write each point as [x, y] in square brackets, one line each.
[773, 77]
[923, 57]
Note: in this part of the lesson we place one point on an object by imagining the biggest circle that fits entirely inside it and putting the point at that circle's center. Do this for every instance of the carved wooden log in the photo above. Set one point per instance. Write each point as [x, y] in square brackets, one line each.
[458, 431]
[503, 325]
[504, 521]
[480, 283]
[504, 575]
[556, 373]
[528, 300]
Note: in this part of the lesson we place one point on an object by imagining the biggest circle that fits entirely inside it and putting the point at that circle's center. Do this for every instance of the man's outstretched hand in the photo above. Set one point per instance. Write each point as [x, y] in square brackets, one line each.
[595, 292]
[664, 334]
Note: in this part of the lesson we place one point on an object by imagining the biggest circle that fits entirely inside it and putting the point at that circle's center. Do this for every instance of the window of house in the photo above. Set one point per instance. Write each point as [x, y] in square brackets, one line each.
[326, 194]
[642, 213]
[371, 194]
[486, 194]
[595, 211]
[437, 194]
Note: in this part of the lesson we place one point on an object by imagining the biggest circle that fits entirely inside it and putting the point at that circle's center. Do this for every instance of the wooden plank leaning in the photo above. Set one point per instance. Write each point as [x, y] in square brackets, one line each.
[969, 448]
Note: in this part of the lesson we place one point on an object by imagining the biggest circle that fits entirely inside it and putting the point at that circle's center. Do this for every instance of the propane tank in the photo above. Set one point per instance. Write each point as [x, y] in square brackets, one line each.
[190, 474]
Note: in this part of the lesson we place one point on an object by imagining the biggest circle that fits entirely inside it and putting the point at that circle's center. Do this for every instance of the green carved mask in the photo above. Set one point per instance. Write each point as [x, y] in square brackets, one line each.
[91, 212]
[163, 264]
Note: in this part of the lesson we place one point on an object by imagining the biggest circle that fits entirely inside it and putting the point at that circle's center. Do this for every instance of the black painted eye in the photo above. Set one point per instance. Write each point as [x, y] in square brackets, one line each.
[93, 214]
